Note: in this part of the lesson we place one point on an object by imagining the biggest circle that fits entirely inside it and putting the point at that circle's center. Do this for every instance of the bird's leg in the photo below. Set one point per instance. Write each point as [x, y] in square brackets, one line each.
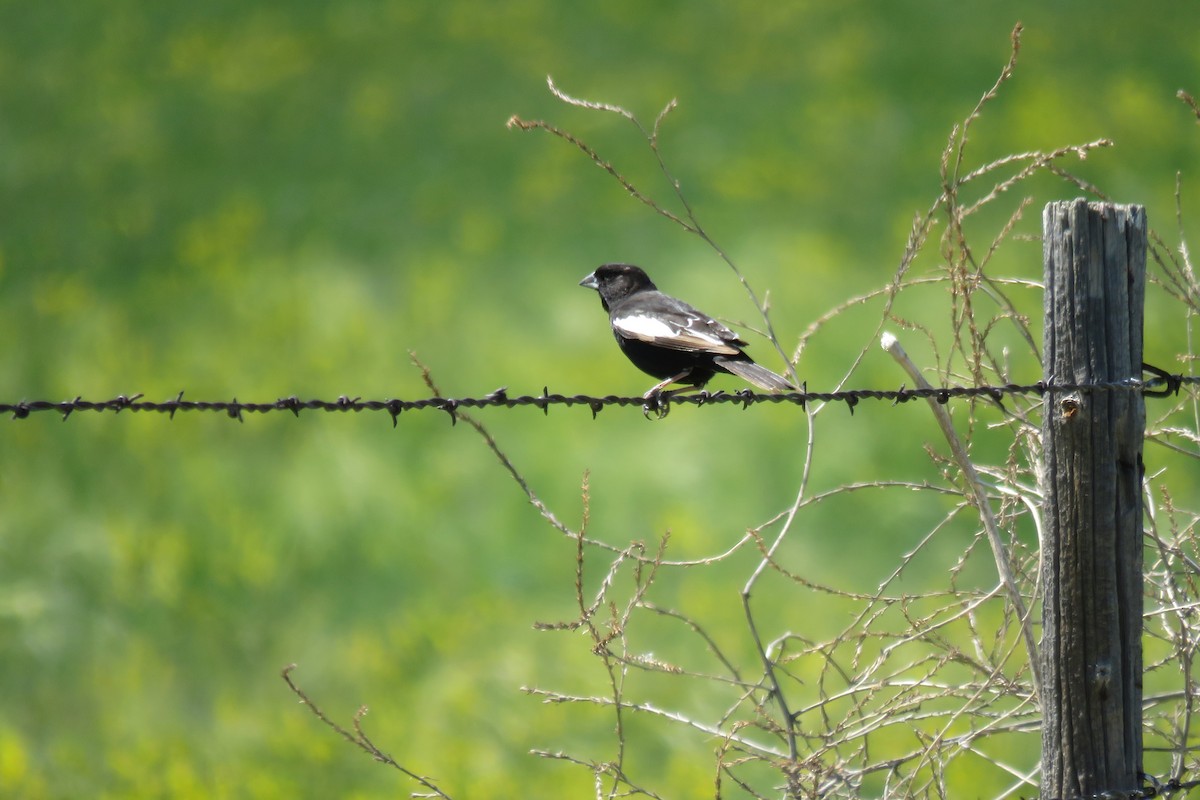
[658, 387]
[657, 400]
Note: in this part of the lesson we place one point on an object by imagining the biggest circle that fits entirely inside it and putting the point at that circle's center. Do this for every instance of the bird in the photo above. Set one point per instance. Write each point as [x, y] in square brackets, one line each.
[669, 339]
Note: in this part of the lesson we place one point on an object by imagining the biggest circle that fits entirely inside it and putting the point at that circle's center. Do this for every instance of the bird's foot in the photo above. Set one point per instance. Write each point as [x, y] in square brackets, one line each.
[657, 402]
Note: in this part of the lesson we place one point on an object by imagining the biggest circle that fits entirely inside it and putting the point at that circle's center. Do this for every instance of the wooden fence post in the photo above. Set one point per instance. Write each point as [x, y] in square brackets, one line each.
[1091, 652]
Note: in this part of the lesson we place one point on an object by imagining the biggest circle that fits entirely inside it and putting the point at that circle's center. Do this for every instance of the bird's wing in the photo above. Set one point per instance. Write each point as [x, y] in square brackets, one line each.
[663, 321]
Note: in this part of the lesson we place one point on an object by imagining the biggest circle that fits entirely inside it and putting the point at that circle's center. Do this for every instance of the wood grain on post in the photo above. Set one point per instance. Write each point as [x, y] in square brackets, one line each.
[1091, 654]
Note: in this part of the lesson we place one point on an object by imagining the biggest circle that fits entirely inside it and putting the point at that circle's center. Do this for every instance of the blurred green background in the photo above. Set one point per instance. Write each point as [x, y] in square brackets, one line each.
[275, 198]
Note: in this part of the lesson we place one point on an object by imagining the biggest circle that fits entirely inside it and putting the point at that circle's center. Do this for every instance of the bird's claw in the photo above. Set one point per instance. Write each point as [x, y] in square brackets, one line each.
[657, 402]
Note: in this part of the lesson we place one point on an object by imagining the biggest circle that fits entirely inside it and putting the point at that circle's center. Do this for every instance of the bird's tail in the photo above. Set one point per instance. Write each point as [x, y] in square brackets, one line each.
[760, 376]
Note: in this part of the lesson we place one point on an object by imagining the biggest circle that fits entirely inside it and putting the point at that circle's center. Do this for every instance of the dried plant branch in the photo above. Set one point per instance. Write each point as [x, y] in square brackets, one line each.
[1191, 103]
[358, 737]
[958, 136]
[980, 500]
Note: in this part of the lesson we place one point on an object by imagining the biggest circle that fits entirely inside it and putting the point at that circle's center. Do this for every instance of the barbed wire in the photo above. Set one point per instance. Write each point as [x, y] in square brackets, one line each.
[1152, 788]
[1162, 384]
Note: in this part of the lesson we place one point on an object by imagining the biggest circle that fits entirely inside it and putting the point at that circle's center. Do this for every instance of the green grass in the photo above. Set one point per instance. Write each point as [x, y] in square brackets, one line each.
[259, 200]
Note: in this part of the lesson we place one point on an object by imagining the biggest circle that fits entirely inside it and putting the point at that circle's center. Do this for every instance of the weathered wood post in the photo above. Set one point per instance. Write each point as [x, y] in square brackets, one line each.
[1091, 653]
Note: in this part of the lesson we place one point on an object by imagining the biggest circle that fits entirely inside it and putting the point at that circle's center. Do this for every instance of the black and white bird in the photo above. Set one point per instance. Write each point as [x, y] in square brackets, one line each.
[669, 339]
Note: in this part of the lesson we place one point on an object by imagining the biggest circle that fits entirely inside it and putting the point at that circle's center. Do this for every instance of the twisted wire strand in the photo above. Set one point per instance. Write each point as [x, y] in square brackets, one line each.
[1161, 385]
[1152, 788]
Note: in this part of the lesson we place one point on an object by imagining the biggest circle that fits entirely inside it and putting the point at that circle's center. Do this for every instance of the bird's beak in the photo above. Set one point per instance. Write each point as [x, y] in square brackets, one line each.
[590, 282]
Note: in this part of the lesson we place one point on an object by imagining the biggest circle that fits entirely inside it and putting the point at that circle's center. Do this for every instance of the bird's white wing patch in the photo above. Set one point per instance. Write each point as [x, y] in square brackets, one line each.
[642, 327]
[657, 331]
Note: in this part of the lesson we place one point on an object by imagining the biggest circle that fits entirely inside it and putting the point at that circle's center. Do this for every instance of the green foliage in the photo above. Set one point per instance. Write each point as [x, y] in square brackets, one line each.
[259, 200]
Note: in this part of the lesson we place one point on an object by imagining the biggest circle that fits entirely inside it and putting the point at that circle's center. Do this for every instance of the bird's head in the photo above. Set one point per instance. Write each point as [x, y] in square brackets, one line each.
[615, 282]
